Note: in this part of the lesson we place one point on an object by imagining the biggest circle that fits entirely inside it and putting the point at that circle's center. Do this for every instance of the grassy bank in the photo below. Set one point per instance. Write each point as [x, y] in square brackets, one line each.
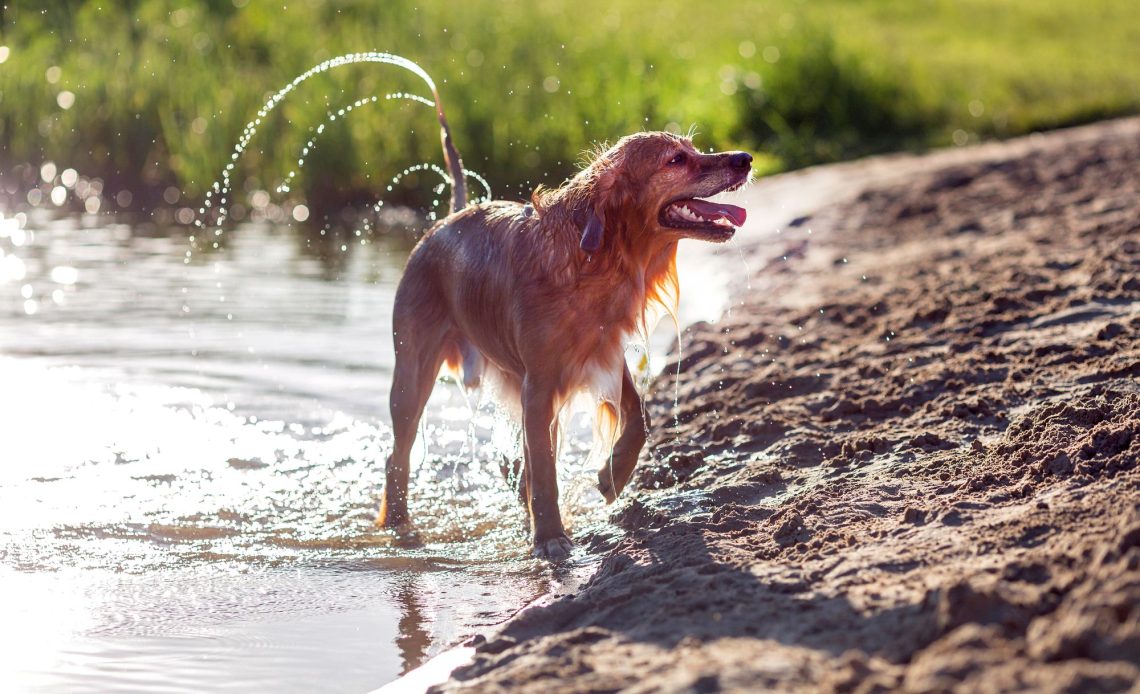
[148, 93]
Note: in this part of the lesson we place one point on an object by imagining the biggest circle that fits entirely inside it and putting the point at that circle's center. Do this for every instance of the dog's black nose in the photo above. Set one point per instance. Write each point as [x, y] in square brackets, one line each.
[740, 160]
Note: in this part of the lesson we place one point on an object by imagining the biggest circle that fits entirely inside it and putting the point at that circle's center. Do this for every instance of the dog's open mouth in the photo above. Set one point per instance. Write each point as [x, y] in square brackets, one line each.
[702, 215]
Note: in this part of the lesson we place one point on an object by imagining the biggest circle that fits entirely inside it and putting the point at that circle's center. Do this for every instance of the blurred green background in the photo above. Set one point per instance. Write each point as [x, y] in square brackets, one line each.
[150, 94]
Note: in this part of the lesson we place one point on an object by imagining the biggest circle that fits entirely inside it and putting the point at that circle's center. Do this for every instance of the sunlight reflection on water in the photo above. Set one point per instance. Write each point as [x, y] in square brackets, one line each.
[191, 455]
[186, 497]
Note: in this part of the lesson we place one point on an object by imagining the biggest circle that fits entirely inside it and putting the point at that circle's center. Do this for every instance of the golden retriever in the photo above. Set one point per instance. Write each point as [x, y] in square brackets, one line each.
[543, 297]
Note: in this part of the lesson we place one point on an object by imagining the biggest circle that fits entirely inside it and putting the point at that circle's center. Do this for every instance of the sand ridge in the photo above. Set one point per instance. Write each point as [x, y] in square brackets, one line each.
[906, 461]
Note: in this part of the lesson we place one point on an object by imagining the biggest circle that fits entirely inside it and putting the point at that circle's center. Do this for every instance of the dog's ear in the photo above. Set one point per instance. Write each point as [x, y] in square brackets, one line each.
[593, 232]
[592, 219]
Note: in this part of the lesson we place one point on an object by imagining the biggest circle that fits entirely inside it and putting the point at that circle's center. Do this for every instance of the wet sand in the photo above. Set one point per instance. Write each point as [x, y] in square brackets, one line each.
[904, 459]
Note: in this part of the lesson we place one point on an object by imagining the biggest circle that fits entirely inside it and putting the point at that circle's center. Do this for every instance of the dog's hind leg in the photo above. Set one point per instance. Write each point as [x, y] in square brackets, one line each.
[540, 435]
[419, 355]
[617, 470]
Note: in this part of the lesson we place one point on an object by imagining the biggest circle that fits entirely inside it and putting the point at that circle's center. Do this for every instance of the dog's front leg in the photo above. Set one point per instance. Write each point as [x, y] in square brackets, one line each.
[617, 470]
[550, 541]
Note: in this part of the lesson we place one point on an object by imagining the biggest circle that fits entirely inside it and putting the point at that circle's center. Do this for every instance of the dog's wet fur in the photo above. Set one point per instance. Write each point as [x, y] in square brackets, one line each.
[542, 297]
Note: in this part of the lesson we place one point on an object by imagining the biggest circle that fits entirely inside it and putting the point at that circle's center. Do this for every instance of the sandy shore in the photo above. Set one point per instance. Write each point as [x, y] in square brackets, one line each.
[905, 459]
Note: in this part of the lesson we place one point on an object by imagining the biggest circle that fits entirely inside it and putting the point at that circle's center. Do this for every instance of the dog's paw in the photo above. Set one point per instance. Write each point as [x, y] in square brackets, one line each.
[606, 487]
[555, 549]
[400, 526]
[404, 534]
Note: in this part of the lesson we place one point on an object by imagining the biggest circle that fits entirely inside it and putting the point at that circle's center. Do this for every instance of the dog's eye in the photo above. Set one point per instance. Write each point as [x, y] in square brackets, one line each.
[679, 158]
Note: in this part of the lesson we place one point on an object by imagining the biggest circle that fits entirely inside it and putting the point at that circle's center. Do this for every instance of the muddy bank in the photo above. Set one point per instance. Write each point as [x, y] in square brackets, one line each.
[906, 460]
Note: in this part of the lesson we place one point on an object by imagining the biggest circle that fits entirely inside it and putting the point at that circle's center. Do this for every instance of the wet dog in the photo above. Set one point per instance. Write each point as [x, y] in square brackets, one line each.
[543, 296]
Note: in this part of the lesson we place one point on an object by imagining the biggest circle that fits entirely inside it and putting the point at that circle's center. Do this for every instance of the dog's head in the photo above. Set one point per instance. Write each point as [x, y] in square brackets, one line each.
[651, 185]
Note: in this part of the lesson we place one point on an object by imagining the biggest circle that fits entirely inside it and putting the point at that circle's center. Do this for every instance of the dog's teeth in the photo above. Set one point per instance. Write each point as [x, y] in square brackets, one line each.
[688, 215]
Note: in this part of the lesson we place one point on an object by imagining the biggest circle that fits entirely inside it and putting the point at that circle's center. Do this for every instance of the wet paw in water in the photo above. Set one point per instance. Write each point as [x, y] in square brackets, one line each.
[554, 549]
[404, 534]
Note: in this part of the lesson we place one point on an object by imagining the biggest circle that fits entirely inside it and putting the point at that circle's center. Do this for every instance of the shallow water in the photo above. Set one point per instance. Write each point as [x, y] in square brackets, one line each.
[191, 454]
[191, 457]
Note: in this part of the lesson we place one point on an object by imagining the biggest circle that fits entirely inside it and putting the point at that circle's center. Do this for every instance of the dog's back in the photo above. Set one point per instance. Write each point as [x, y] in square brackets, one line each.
[460, 277]
[491, 273]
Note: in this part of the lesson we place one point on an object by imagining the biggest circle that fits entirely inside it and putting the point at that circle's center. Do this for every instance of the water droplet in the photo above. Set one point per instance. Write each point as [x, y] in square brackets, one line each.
[64, 274]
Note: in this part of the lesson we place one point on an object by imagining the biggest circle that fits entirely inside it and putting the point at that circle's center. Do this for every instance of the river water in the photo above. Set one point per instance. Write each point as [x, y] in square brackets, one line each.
[192, 452]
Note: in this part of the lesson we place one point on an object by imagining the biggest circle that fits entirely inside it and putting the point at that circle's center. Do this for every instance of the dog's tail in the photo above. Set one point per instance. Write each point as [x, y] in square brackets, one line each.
[451, 157]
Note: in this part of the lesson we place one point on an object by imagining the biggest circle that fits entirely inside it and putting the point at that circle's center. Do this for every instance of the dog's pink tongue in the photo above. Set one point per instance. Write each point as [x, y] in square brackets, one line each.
[714, 210]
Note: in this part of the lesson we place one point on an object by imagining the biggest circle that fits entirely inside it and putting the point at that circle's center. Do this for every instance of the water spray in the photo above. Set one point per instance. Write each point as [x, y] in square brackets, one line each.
[218, 195]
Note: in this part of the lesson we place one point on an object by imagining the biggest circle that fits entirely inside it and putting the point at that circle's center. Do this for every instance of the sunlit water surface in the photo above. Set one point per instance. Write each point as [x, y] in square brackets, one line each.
[192, 452]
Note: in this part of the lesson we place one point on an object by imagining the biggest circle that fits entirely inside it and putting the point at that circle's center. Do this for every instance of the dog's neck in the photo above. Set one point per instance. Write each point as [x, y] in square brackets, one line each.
[635, 261]
[638, 273]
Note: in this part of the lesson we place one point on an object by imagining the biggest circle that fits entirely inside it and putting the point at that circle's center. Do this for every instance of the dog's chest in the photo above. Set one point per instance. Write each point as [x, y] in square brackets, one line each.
[598, 323]
[601, 373]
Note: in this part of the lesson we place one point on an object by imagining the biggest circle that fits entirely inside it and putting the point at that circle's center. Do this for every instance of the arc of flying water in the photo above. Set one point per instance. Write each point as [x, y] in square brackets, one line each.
[482, 181]
[427, 166]
[217, 195]
[342, 112]
[285, 186]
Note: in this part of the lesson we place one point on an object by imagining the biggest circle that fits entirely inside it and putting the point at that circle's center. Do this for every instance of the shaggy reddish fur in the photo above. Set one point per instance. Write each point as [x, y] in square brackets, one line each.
[543, 296]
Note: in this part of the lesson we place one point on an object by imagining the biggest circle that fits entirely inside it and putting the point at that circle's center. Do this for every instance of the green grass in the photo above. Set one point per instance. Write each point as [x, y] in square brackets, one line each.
[162, 89]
